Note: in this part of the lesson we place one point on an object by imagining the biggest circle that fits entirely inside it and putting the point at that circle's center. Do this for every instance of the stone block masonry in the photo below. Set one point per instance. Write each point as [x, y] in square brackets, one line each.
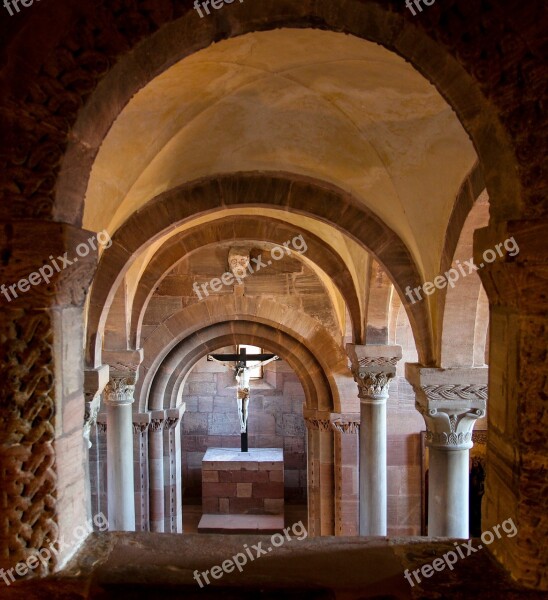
[243, 483]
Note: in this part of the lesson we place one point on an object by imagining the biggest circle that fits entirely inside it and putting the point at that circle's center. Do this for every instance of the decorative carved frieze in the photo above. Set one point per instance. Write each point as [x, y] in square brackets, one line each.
[366, 362]
[455, 392]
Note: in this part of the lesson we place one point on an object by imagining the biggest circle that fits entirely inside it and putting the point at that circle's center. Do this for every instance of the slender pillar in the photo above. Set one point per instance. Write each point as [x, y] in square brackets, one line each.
[373, 367]
[141, 423]
[451, 401]
[121, 501]
[321, 490]
[173, 512]
[345, 431]
[157, 475]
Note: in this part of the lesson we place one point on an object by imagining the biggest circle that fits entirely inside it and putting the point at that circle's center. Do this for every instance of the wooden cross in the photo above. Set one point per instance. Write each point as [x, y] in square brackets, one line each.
[241, 370]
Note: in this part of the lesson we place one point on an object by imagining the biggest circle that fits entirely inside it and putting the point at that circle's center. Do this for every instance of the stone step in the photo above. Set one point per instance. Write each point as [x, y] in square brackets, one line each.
[241, 524]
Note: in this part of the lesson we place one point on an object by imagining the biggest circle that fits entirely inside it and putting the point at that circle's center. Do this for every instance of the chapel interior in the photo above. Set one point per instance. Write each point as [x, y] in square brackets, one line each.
[353, 194]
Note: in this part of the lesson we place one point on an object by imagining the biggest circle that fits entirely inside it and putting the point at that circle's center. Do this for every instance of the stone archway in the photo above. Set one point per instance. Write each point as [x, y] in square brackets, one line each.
[328, 439]
[242, 228]
[287, 192]
[39, 114]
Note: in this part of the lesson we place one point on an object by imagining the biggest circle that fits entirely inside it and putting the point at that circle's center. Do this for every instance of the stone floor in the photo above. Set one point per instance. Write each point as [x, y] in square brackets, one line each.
[150, 565]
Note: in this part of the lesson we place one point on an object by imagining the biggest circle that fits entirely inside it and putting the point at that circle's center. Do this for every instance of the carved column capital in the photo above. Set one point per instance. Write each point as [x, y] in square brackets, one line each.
[372, 368]
[124, 365]
[157, 423]
[317, 424]
[119, 390]
[325, 421]
[451, 401]
[345, 423]
[141, 423]
[174, 416]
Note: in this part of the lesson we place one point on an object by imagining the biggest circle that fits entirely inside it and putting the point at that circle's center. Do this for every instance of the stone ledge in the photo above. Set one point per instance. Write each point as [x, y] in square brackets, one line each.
[121, 565]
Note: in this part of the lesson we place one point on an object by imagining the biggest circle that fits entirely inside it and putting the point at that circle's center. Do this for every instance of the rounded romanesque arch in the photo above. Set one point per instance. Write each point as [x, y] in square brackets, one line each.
[305, 338]
[169, 377]
[248, 228]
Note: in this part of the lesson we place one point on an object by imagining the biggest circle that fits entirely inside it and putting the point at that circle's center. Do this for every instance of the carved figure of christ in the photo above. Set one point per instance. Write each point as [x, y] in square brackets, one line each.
[241, 374]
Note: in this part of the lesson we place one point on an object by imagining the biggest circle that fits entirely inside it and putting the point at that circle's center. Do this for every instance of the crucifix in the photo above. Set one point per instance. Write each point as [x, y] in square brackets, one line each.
[241, 373]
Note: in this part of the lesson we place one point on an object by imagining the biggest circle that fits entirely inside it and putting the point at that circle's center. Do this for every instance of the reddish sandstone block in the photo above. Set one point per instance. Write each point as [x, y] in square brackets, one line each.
[276, 476]
[218, 489]
[274, 506]
[243, 490]
[224, 505]
[210, 505]
[246, 505]
[268, 490]
[210, 476]
[250, 476]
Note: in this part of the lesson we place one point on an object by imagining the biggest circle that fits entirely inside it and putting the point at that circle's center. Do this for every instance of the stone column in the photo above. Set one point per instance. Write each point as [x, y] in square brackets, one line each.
[141, 423]
[173, 520]
[373, 367]
[98, 466]
[156, 478]
[118, 398]
[451, 401]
